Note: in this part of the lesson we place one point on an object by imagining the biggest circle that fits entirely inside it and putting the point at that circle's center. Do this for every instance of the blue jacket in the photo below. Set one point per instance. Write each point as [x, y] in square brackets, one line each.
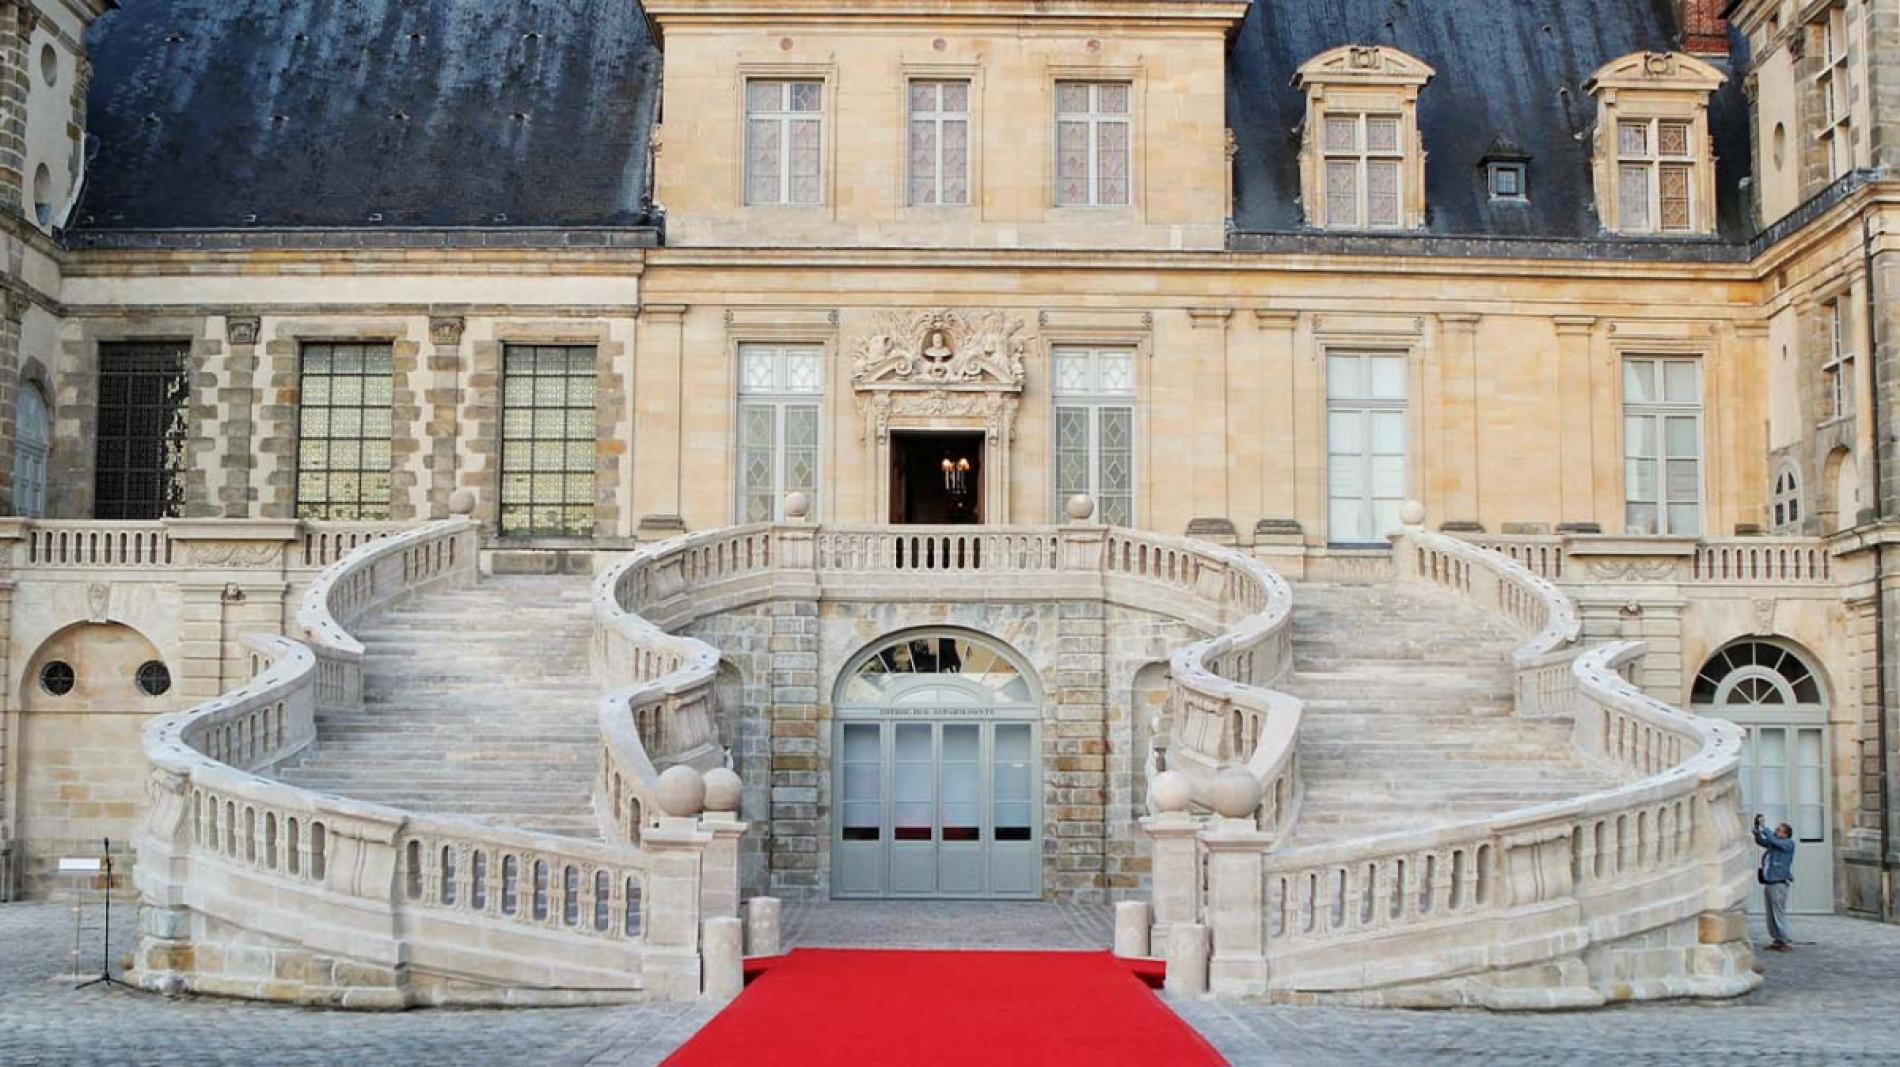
[1777, 862]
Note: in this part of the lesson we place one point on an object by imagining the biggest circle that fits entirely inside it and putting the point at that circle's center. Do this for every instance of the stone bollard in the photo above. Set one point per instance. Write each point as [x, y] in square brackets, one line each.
[1132, 918]
[724, 955]
[761, 926]
[1187, 960]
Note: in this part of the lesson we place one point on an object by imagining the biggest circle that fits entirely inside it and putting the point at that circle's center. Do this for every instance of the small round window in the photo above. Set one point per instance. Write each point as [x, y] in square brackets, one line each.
[49, 65]
[155, 679]
[57, 677]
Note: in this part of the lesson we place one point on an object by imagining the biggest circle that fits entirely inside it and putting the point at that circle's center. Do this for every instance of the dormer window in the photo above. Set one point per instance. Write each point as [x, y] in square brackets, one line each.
[1362, 167]
[1507, 181]
[1655, 174]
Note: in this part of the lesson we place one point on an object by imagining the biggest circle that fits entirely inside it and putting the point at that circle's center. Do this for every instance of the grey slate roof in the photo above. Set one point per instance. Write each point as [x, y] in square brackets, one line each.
[324, 112]
[1511, 69]
[431, 113]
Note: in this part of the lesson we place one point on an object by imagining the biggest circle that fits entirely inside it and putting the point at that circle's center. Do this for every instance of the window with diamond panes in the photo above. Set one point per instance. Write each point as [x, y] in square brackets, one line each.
[1662, 446]
[548, 434]
[1094, 144]
[939, 143]
[1095, 431]
[779, 387]
[139, 450]
[1655, 176]
[1365, 161]
[784, 142]
[343, 431]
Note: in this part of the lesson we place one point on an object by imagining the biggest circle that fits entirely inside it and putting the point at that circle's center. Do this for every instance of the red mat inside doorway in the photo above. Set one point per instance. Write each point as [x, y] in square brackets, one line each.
[839, 1006]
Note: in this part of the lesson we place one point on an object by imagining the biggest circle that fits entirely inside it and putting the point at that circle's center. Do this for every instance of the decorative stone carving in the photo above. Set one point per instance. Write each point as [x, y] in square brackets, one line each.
[1764, 611]
[924, 348]
[234, 553]
[98, 601]
[16, 304]
[446, 329]
[242, 329]
[1632, 570]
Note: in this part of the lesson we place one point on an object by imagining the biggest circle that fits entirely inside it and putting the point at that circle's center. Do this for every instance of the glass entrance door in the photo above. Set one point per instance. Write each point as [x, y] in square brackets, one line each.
[1784, 779]
[936, 809]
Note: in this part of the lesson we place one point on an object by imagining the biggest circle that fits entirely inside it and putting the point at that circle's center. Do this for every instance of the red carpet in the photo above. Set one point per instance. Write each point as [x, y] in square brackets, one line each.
[840, 1006]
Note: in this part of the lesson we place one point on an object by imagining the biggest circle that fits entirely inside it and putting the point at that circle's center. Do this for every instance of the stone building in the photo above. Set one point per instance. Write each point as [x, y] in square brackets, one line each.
[1606, 291]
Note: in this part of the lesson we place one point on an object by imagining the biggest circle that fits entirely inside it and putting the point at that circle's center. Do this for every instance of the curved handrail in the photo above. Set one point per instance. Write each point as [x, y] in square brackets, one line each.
[1224, 715]
[1494, 580]
[215, 814]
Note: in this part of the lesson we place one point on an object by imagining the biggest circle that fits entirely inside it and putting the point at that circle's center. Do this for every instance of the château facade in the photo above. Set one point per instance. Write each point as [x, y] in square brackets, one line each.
[1612, 295]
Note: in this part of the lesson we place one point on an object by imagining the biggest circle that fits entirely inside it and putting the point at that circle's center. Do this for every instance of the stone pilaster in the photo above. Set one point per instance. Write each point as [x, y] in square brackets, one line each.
[798, 848]
[443, 398]
[408, 462]
[1213, 503]
[1075, 748]
[17, 22]
[1458, 415]
[16, 304]
[658, 391]
[1575, 477]
[11, 859]
[236, 398]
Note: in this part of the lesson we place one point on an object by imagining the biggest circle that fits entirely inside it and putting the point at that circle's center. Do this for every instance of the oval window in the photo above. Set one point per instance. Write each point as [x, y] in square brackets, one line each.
[155, 679]
[57, 677]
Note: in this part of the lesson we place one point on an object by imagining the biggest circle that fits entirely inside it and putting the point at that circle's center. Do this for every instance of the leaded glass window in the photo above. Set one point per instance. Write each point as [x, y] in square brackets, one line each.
[1662, 446]
[1837, 366]
[32, 439]
[1655, 176]
[939, 143]
[779, 390]
[139, 459]
[1365, 160]
[1094, 144]
[784, 160]
[548, 434]
[1834, 88]
[1095, 431]
[343, 431]
[1365, 445]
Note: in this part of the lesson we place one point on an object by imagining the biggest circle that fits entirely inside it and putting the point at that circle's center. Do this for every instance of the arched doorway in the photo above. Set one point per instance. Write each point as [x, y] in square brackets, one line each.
[936, 775]
[1776, 698]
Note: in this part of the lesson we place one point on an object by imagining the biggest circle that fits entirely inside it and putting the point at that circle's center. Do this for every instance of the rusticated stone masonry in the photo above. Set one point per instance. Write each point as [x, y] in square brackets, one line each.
[1075, 752]
[797, 854]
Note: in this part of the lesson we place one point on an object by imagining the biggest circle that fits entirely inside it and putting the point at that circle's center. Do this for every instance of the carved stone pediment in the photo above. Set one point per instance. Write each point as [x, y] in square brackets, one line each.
[941, 351]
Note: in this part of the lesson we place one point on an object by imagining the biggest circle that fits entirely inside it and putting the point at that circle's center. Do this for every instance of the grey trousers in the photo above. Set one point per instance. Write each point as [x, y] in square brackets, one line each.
[1777, 895]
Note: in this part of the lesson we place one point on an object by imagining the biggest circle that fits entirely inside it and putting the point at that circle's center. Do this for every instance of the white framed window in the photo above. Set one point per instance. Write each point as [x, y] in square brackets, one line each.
[1095, 431]
[1655, 174]
[939, 143]
[784, 141]
[1365, 167]
[1837, 368]
[1785, 502]
[32, 440]
[1662, 446]
[1095, 130]
[1365, 445]
[1509, 181]
[779, 391]
[1833, 85]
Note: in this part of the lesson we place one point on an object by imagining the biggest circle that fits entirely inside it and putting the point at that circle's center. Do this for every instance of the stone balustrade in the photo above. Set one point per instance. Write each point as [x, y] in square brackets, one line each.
[254, 888]
[1223, 713]
[53, 545]
[1629, 893]
[1576, 559]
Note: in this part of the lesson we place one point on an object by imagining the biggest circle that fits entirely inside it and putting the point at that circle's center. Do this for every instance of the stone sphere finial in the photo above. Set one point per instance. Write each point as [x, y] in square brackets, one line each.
[797, 505]
[1235, 793]
[1080, 507]
[682, 791]
[1171, 792]
[1412, 513]
[722, 789]
[462, 502]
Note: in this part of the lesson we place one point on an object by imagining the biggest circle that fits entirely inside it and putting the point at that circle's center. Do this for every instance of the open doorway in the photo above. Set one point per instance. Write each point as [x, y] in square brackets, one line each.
[937, 477]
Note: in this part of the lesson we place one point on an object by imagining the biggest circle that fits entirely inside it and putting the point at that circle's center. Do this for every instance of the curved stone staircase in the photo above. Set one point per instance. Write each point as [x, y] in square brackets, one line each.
[477, 702]
[1408, 715]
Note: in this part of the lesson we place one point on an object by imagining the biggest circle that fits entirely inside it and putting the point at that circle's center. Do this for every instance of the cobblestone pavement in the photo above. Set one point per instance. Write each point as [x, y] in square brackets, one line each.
[1835, 1000]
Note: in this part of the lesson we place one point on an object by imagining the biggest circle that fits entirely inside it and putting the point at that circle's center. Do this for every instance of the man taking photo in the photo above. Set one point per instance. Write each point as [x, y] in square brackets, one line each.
[1776, 874]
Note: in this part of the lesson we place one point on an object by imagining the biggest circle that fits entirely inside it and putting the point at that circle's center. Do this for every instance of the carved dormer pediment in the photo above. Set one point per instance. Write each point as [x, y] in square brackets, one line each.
[1372, 64]
[962, 351]
[1669, 71]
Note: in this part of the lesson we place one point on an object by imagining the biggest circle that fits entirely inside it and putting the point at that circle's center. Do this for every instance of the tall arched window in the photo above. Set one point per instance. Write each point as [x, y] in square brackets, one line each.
[32, 438]
[1785, 503]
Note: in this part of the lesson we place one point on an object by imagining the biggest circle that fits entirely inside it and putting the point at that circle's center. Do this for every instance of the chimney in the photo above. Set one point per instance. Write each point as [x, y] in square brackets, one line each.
[1704, 30]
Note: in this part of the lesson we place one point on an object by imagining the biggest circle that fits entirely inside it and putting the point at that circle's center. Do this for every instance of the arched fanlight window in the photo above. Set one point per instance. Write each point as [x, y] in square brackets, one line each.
[1785, 501]
[1753, 674]
[934, 668]
[32, 438]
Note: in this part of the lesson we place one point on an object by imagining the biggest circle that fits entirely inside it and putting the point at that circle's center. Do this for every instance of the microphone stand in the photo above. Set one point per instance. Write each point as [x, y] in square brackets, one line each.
[105, 950]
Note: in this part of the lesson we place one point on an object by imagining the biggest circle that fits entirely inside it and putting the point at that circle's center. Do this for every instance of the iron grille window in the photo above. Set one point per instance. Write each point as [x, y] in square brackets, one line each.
[139, 462]
[548, 433]
[343, 432]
